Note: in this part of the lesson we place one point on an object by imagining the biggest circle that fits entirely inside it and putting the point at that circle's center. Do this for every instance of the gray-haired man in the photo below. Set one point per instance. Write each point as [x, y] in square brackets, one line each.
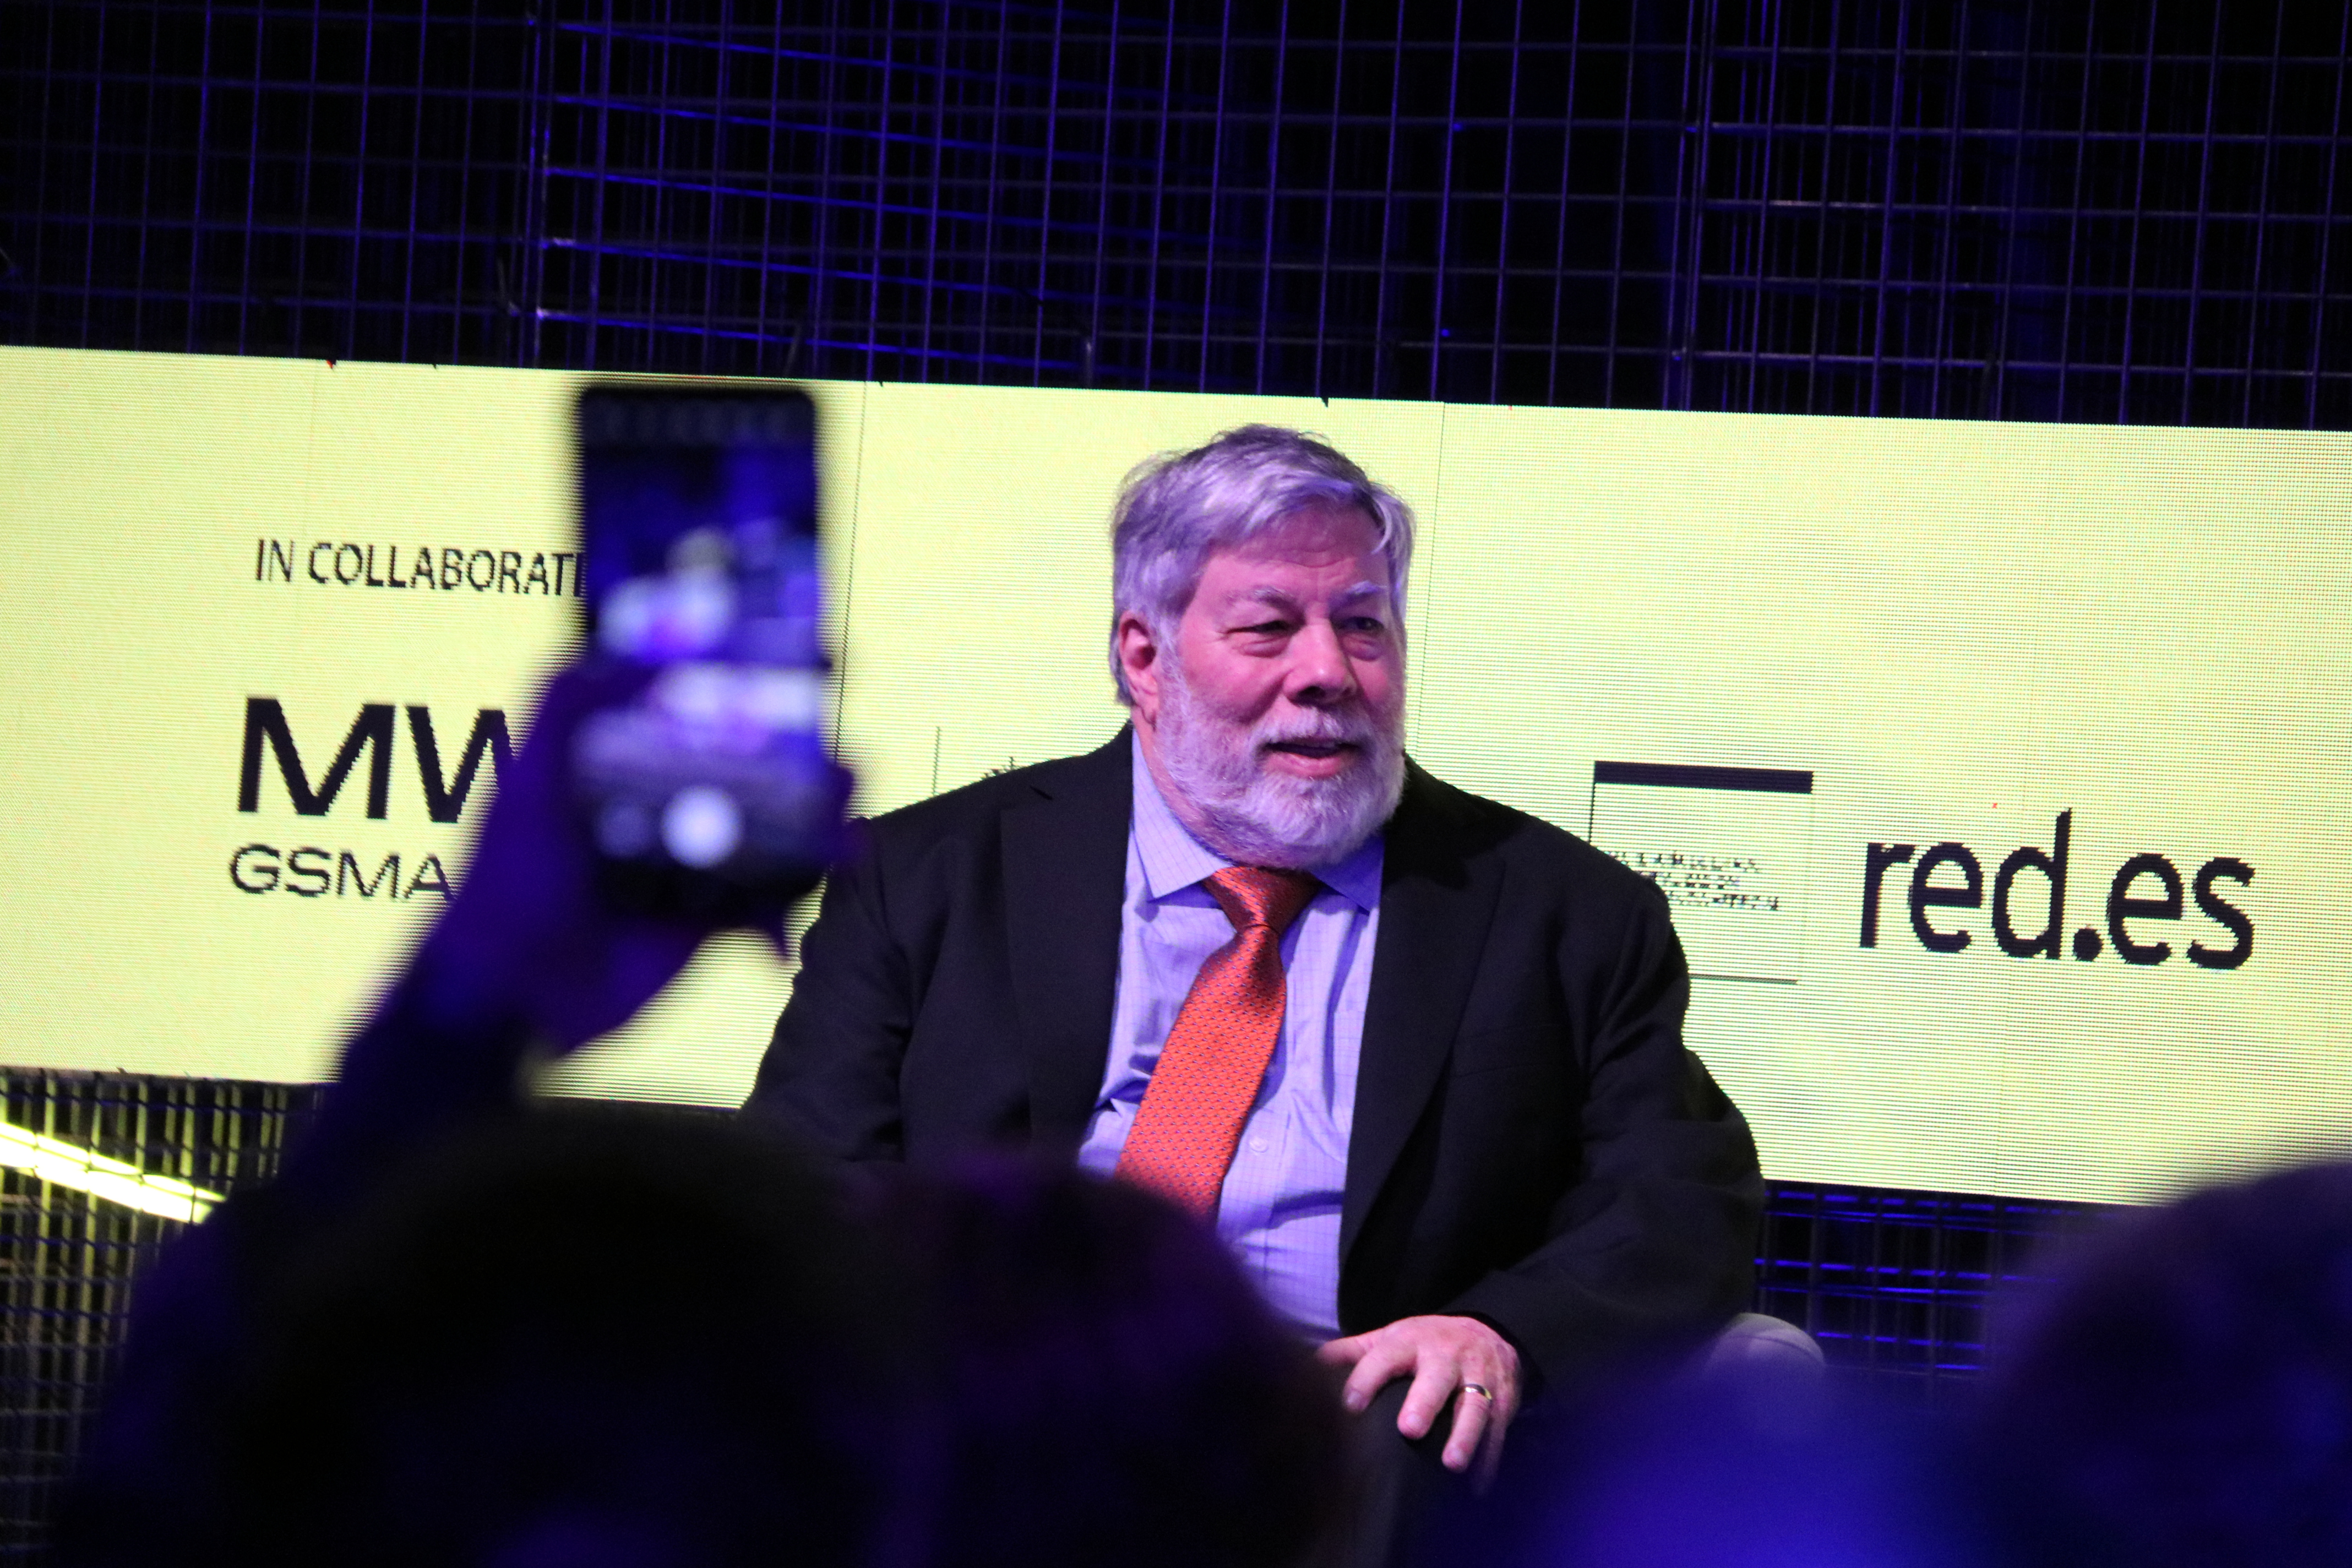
[1464, 1145]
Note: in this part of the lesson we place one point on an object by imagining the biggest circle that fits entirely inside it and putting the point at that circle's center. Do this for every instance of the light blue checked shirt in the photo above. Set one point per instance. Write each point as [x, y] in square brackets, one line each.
[1280, 1208]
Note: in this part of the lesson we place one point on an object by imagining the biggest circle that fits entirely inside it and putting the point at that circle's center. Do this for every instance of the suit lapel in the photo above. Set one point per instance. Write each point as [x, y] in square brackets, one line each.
[1064, 880]
[1437, 900]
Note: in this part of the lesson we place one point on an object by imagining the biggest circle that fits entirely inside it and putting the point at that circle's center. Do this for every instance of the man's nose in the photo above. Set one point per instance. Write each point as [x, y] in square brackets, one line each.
[1319, 671]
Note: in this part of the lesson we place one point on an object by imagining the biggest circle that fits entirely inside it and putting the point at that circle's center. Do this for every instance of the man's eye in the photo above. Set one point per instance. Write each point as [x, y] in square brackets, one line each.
[1266, 629]
[1366, 624]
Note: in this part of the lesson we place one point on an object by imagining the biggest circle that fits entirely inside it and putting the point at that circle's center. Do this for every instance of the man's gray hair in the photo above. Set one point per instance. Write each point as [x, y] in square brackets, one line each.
[1178, 508]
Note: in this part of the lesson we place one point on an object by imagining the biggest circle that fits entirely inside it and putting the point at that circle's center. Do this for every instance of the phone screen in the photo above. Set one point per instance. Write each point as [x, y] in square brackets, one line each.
[698, 509]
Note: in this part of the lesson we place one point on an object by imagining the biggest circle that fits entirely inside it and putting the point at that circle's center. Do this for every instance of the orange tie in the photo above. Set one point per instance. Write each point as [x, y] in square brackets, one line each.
[1214, 1059]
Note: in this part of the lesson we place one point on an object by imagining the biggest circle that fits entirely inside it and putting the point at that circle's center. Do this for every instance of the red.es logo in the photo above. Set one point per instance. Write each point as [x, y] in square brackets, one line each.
[2146, 898]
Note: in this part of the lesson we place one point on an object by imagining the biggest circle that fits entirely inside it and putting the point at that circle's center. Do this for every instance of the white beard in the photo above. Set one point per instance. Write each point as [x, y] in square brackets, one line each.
[1256, 815]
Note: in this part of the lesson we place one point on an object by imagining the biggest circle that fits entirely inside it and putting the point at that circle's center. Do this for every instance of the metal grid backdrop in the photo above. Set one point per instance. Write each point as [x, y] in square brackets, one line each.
[2079, 209]
[2047, 209]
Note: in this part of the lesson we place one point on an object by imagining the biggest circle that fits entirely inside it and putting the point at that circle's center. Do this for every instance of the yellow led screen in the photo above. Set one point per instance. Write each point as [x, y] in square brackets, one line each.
[1998, 773]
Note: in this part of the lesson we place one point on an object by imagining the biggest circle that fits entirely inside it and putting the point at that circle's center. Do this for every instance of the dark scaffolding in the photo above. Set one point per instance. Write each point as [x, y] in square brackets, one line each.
[1978, 208]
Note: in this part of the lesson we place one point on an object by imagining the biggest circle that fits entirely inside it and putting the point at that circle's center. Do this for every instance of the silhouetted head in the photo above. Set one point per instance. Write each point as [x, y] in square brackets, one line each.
[576, 1342]
[2182, 1393]
[1114, 1390]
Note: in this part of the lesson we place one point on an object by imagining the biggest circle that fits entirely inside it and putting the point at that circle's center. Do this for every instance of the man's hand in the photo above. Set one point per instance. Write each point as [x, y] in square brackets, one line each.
[1448, 1359]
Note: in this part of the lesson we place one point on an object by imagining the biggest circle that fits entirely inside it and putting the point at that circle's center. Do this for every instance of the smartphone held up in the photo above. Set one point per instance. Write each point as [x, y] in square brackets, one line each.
[711, 794]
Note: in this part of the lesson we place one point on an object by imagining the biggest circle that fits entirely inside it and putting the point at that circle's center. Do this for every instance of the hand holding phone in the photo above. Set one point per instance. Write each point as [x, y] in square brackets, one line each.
[712, 794]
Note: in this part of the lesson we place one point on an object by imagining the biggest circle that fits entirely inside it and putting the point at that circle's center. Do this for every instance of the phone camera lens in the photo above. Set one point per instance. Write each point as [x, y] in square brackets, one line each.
[701, 826]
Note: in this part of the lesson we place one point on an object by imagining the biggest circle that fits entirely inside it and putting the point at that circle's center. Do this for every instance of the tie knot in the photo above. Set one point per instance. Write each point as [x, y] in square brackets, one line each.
[1254, 896]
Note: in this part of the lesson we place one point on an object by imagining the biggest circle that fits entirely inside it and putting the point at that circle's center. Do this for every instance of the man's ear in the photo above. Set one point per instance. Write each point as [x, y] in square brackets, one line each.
[1138, 659]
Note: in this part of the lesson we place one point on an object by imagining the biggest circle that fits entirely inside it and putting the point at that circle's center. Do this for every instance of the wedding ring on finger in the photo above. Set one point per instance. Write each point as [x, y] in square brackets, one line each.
[1480, 1389]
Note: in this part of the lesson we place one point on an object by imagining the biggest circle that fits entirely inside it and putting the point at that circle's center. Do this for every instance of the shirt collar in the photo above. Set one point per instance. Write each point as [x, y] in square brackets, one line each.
[1173, 859]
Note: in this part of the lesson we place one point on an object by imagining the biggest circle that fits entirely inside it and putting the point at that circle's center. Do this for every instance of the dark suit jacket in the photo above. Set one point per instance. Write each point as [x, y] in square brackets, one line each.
[1531, 1142]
